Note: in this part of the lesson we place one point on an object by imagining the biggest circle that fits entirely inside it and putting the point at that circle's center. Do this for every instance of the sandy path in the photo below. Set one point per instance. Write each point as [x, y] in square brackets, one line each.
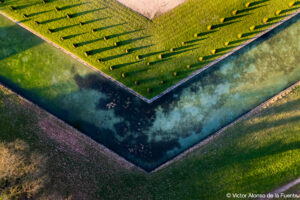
[151, 8]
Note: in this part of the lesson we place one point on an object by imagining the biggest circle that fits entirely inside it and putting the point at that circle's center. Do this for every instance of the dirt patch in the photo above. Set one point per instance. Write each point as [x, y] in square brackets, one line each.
[151, 8]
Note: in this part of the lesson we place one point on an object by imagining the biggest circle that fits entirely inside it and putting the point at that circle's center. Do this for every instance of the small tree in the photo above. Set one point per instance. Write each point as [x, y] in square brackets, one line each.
[265, 20]
[248, 4]
[240, 35]
[188, 66]
[278, 12]
[214, 51]
[209, 27]
[222, 20]
[227, 43]
[292, 3]
[234, 12]
[252, 28]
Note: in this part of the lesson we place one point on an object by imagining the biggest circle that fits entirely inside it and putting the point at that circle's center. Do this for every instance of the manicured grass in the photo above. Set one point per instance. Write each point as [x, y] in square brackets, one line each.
[118, 41]
[256, 155]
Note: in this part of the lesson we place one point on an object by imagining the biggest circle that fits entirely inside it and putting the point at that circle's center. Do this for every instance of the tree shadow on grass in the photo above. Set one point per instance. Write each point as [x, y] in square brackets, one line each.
[255, 3]
[124, 33]
[250, 9]
[107, 27]
[118, 66]
[171, 54]
[194, 41]
[151, 54]
[139, 48]
[225, 24]
[52, 20]
[228, 19]
[289, 10]
[80, 44]
[129, 41]
[71, 6]
[96, 20]
[38, 13]
[238, 41]
[114, 57]
[205, 33]
[251, 33]
[26, 6]
[73, 36]
[86, 12]
[100, 50]
[264, 25]
[64, 28]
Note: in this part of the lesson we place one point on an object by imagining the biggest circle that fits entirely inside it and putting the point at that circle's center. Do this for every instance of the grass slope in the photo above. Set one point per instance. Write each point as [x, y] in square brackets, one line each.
[117, 36]
[257, 155]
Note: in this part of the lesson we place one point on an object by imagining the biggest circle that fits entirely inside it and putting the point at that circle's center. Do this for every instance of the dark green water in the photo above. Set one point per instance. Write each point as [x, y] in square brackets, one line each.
[148, 135]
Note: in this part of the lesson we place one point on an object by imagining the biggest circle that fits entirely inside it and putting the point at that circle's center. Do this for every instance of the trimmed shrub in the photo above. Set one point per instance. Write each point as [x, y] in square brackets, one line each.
[100, 60]
[69, 16]
[209, 27]
[292, 3]
[175, 73]
[160, 56]
[105, 38]
[214, 51]
[161, 82]
[227, 43]
[116, 44]
[136, 83]
[62, 38]
[50, 30]
[196, 35]
[240, 35]
[111, 68]
[25, 15]
[248, 4]
[127, 50]
[123, 75]
[81, 23]
[172, 50]
[222, 20]
[188, 66]
[235, 12]
[57, 8]
[138, 57]
[201, 59]
[252, 28]
[149, 90]
[265, 20]
[182, 43]
[75, 45]
[86, 53]
[278, 12]
[37, 22]
[148, 63]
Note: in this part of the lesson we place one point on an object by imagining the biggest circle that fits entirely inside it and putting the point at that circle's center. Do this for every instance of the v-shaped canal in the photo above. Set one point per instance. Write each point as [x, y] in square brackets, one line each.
[148, 134]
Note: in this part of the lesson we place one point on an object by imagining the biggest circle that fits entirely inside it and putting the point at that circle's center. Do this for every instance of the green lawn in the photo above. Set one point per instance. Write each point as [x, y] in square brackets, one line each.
[90, 21]
[257, 155]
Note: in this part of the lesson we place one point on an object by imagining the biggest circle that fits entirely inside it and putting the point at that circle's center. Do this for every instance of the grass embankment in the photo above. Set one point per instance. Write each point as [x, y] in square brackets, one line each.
[256, 155]
[148, 56]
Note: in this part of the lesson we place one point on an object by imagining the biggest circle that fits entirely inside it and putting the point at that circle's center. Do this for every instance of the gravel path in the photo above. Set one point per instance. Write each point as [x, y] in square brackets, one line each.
[151, 8]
